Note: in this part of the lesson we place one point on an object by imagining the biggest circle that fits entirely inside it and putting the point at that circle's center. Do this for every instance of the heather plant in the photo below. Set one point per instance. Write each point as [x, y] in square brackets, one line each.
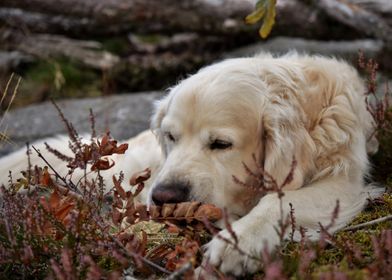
[56, 228]
[53, 227]
[379, 107]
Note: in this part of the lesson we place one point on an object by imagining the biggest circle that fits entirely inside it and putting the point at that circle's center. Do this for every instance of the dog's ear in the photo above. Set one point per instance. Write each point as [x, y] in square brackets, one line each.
[160, 109]
[284, 141]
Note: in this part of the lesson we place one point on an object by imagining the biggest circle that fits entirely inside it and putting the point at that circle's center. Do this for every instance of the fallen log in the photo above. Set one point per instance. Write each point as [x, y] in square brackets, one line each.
[46, 46]
[357, 17]
[45, 23]
[143, 15]
[224, 17]
[10, 60]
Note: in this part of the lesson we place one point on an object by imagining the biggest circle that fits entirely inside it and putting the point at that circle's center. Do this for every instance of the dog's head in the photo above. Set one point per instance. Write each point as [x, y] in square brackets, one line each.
[213, 123]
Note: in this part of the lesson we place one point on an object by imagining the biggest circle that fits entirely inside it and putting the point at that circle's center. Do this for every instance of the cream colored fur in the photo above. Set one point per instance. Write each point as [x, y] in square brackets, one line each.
[304, 107]
[143, 151]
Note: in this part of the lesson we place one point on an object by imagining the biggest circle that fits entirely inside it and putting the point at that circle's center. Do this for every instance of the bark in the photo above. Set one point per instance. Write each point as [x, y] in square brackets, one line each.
[223, 17]
[357, 17]
[49, 46]
[45, 23]
[11, 60]
[142, 15]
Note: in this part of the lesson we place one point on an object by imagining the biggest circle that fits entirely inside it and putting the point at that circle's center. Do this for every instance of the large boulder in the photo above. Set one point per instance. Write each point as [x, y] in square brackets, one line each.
[124, 115]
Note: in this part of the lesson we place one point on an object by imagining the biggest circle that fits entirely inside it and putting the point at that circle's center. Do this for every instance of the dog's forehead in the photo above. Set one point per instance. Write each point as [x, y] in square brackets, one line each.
[214, 100]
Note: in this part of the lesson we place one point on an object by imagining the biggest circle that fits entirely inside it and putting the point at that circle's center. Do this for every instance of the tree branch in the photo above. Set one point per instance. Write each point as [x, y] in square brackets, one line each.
[357, 17]
[370, 223]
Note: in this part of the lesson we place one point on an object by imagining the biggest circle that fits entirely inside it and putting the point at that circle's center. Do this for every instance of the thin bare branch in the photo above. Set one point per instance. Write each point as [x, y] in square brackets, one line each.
[69, 184]
[370, 223]
[179, 274]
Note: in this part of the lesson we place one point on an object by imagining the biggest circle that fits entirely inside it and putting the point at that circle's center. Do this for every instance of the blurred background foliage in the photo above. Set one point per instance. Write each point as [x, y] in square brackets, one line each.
[68, 48]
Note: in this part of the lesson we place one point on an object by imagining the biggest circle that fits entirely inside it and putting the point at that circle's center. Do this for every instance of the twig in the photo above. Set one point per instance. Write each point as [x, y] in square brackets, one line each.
[12, 96]
[131, 254]
[92, 123]
[128, 253]
[6, 89]
[179, 274]
[28, 153]
[370, 223]
[73, 134]
[69, 184]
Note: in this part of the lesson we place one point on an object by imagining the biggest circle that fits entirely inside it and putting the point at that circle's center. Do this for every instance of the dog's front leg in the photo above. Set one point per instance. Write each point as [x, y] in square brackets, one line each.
[256, 231]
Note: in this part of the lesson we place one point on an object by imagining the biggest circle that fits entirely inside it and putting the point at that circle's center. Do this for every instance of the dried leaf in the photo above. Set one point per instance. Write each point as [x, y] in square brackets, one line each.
[158, 253]
[139, 189]
[102, 164]
[54, 201]
[172, 228]
[131, 219]
[130, 212]
[167, 209]
[116, 216]
[118, 203]
[60, 207]
[130, 202]
[142, 210]
[117, 185]
[186, 209]
[108, 146]
[121, 149]
[45, 179]
[211, 212]
[64, 210]
[183, 253]
[140, 177]
[155, 211]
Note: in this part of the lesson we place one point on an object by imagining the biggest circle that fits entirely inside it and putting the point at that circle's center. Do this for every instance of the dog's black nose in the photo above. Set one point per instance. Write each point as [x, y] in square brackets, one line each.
[170, 193]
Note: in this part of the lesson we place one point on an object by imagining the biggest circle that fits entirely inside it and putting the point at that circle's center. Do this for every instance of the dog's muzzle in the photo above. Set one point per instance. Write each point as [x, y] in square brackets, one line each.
[173, 192]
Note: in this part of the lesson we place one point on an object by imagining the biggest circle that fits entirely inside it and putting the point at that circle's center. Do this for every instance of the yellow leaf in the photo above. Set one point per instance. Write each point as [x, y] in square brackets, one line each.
[269, 20]
[265, 11]
[255, 16]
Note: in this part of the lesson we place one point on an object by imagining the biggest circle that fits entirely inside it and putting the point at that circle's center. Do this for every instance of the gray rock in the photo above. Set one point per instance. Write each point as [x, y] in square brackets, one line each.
[342, 49]
[124, 115]
[10, 60]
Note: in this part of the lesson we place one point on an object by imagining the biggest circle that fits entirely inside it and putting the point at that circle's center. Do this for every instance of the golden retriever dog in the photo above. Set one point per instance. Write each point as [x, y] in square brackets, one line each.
[257, 111]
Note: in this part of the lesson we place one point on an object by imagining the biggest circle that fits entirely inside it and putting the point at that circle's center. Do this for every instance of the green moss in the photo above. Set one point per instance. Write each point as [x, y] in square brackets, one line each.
[336, 257]
[108, 264]
[342, 268]
[377, 209]
[55, 79]
[117, 45]
[151, 38]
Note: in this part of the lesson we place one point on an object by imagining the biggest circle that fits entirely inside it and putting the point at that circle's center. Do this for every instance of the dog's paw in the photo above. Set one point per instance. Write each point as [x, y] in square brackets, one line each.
[235, 257]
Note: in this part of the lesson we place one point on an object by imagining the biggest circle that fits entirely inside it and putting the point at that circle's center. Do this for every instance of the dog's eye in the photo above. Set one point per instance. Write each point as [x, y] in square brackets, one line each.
[220, 145]
[170, 137]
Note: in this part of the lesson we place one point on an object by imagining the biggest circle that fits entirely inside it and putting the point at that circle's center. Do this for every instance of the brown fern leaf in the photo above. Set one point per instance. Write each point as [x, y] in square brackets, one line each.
[186, 211]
